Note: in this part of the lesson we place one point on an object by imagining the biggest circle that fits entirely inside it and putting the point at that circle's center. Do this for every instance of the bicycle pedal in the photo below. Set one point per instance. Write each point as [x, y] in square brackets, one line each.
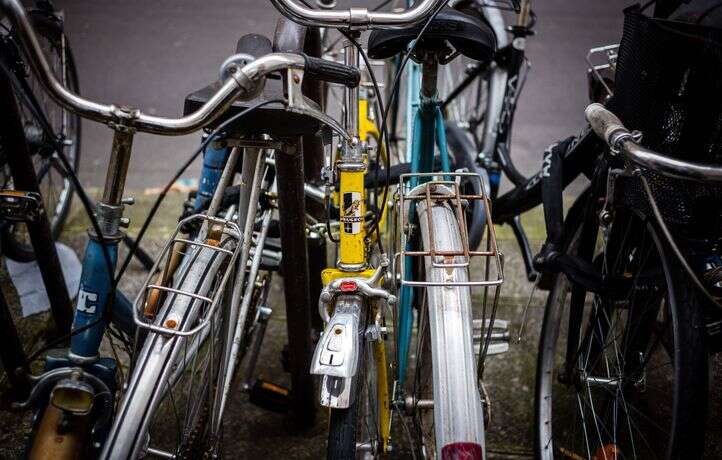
[499, 342]
[270, 396]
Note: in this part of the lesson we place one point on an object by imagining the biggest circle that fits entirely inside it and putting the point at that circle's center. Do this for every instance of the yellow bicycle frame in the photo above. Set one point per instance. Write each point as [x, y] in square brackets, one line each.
[353, 251]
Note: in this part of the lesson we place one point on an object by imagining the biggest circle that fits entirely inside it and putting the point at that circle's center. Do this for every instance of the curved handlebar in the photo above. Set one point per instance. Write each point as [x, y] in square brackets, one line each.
[608, 127]
[357, 18]
[244, 83]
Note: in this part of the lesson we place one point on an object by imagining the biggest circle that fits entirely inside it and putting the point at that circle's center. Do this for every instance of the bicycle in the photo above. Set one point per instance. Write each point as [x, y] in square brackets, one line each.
[633, 310]
[351, 354]
[191, 323]
[47, 126]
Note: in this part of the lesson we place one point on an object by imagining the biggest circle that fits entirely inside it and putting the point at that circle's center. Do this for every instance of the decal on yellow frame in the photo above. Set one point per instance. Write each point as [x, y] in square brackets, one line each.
[352, 250]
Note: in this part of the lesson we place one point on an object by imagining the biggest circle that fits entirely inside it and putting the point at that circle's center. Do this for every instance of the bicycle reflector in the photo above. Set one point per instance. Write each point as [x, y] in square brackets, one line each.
[348, 286]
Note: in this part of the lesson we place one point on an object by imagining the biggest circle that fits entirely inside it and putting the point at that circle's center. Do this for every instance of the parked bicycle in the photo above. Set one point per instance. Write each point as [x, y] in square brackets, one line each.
[47, 126]
[632, 317]
[203, 302]
[356, 303]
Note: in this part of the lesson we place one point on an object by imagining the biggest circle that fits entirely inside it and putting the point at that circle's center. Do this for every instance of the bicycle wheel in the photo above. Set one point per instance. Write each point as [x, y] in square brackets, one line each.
[465, 108]
[423, 387]
[55, 186]
[354, 432]
[446, 368]
[171, 401]
[635, 382]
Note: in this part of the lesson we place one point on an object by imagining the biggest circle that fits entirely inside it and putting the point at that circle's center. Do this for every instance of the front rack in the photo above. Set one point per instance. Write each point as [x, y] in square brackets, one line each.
[442, 189]
[171, 326]
[602, 64]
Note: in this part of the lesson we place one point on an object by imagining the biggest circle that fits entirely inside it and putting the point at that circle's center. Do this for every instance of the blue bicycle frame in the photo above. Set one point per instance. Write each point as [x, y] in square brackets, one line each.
[95, 286]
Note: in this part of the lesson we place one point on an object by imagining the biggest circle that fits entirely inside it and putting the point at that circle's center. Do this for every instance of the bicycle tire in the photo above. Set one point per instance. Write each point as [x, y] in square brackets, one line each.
[685, 412]
[357, 425]
[155, 369]
[14, 241]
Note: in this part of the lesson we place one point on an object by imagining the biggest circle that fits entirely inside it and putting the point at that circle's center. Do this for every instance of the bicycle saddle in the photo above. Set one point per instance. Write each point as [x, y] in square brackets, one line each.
[271, 119]
[467, 34]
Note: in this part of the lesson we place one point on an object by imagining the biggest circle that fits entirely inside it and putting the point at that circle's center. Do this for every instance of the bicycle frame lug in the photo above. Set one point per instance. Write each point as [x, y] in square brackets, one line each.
[109, 219]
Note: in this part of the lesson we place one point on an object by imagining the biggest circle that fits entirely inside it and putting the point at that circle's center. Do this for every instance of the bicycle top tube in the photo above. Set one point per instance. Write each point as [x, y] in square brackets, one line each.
[245, 82]
[620, 139]
[357, 18]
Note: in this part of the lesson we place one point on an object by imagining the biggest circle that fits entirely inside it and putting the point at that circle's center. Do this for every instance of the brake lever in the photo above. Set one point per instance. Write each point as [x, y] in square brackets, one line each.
[299, 103]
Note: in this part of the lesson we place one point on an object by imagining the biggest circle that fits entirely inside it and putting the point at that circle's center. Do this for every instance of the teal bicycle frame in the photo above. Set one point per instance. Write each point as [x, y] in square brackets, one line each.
[425, 120]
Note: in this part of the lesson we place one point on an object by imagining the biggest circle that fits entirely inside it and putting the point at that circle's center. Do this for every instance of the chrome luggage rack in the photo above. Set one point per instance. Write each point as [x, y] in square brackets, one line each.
[231, 233]
[445, 187]
[602, 64]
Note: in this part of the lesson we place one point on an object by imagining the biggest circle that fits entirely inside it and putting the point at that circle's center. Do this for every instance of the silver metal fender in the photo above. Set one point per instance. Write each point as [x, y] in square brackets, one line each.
[458, 413]
[337, 353]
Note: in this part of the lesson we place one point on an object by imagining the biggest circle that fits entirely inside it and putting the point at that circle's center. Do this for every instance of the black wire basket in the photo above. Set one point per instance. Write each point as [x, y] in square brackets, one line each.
[668, 85]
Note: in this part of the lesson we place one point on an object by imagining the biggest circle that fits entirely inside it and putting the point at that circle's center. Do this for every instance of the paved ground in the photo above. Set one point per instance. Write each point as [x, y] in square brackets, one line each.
[151, 54]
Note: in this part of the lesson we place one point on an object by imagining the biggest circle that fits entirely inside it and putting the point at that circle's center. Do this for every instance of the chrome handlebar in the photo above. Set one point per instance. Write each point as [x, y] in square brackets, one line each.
[245, 83]
[357, 18]
[610, 129]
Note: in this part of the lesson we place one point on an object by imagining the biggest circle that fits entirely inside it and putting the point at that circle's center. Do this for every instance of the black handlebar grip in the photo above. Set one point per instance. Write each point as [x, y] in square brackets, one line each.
[332, 72]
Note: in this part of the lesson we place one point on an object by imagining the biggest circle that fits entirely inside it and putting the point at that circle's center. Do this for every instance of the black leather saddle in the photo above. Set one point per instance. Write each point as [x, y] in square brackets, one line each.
[468, 34]
[271, 119]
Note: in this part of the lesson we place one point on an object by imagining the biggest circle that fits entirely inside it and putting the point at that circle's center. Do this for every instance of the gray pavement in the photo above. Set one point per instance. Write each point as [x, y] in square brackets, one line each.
[150, 54]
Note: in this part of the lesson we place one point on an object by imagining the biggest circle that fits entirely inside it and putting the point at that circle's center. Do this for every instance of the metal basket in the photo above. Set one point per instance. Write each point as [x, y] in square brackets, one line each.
[668, 86]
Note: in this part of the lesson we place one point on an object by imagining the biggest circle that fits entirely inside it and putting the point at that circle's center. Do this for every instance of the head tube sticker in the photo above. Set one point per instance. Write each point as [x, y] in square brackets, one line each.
[351, 213]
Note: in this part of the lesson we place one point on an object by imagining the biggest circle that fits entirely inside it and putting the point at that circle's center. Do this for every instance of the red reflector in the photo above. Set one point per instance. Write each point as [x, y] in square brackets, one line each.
[461, 451]
[348, 286]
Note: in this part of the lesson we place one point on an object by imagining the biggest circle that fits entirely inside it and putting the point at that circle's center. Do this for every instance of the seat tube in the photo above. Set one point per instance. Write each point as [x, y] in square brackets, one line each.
[96, 281]
[352, 168]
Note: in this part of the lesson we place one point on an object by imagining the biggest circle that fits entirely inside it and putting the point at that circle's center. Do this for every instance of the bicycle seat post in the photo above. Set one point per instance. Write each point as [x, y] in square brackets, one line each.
[351, 59]
[96, 280]
[110, 208]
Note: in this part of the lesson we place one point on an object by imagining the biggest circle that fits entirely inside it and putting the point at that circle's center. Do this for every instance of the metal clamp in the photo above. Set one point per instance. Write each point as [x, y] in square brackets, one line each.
[20, 206]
